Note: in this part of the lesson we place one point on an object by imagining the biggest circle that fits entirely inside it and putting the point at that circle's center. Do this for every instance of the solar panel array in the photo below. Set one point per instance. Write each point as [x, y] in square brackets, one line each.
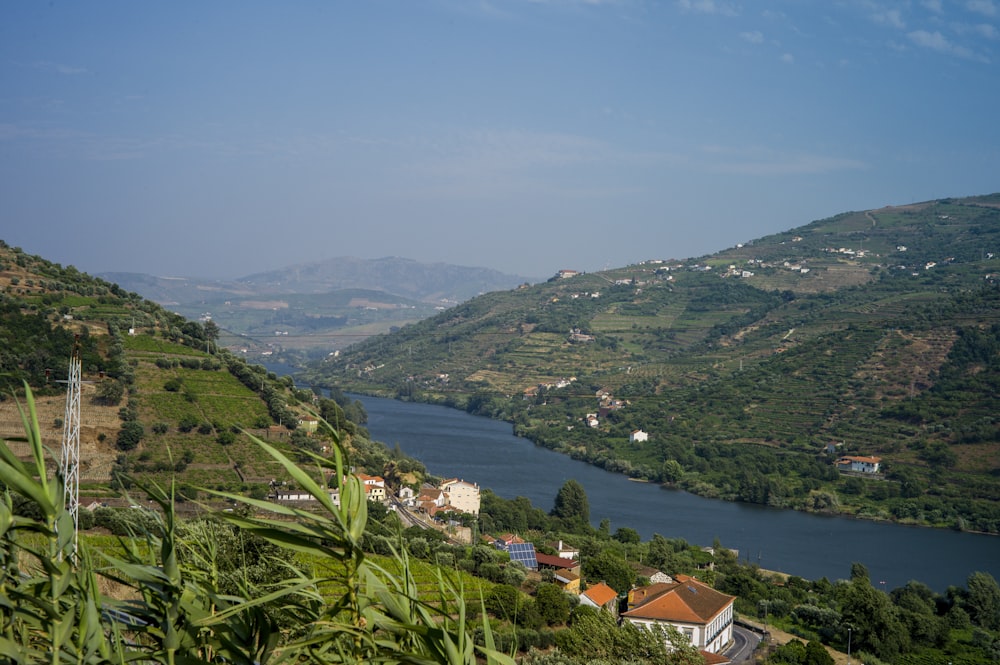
[525, 553]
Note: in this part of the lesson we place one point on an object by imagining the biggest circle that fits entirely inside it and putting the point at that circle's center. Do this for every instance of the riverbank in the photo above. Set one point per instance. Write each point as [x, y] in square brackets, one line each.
[453, 443]
[826, 500]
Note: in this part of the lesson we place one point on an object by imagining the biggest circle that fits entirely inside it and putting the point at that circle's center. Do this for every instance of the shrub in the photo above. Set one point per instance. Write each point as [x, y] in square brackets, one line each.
[130, 435]
[187, 423]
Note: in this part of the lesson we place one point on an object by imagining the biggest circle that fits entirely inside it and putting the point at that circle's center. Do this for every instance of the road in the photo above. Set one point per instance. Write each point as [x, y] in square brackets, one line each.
[744, 643]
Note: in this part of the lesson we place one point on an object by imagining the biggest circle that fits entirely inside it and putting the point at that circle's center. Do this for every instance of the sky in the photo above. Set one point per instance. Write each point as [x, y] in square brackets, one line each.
[220, 139]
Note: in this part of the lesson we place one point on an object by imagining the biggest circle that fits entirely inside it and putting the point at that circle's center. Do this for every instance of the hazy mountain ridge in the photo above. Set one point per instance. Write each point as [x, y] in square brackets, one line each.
[320, 306]
[407, 278]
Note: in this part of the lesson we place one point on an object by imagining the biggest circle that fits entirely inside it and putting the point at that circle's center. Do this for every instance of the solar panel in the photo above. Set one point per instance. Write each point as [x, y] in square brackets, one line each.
[524, 553]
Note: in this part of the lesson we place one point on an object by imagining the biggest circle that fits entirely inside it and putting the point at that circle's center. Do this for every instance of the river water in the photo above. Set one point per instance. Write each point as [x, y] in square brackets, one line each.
[453, 443]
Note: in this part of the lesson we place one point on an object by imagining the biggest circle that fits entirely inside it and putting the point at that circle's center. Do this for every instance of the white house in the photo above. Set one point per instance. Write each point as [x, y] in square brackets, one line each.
[407, 496]
[857, 464]
[638, 436]
[601, 596]
[565, 550]
[696, 610]
[462, 495]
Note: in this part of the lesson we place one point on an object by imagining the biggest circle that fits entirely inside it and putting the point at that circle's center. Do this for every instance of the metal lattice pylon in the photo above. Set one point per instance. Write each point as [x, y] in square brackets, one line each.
[70, 463]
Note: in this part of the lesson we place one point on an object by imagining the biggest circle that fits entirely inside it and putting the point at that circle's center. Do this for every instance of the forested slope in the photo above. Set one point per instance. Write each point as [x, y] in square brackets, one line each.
[752, 370]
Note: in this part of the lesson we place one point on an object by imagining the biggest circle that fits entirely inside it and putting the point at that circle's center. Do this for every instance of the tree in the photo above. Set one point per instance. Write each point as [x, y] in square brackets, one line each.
[672, 471]
[611, 569]
[110, 391]
[873, 619]
[571, 505]
[983, 601]
[552, 604]
[627, 536]
[595, 636]
[816, 654]
[130, 435]
[211, 330]
[504, 602]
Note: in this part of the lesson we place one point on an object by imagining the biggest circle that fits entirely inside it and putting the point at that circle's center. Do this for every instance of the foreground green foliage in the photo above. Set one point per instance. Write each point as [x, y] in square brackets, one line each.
[180, 605]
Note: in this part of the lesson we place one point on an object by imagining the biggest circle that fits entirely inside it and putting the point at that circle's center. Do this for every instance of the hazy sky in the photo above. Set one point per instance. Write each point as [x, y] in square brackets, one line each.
[218, 139]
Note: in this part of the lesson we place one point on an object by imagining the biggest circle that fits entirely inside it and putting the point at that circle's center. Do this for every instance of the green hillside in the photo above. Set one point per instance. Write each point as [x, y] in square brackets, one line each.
[161, 401]
[873, 333]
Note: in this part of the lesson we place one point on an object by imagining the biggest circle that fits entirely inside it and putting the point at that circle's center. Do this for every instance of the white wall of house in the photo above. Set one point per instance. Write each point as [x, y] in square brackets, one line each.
[463, 496]
[712, 637]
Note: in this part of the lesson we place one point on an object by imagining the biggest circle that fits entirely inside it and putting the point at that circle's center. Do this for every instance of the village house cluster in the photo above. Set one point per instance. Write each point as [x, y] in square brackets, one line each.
[697, 611]
[454, 495]
[606, 403]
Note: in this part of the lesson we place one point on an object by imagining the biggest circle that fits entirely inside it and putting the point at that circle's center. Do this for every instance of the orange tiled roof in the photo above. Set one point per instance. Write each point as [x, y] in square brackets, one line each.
[685, 601]
[857, 458]
[714, 658]
[601, 594]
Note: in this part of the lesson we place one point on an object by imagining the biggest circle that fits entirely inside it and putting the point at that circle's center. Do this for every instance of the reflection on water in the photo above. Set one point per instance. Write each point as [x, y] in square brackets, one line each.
[452, 443]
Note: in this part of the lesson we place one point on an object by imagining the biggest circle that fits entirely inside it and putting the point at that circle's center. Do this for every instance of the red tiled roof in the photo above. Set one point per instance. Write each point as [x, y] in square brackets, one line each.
[552, 561]
[685, 601]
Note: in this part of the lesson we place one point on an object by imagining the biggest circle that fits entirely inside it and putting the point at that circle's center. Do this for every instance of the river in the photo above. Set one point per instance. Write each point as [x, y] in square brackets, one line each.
[453, 443]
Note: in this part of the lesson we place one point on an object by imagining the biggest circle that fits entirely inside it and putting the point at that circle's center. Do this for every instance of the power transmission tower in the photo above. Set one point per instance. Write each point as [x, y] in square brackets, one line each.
[70, 463]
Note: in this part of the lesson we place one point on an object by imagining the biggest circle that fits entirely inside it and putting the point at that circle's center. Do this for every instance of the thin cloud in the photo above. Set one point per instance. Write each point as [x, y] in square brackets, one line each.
[754, 37]
[892, 18]
[984, 7]
[708, 7]
[932, 5]
[787, 58]
[767, 163]
[985, 30]
[935, 41]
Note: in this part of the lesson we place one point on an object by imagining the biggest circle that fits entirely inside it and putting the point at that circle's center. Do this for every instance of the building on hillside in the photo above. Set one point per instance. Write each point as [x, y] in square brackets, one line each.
[638, 436]
[462, 496]
[565, 550]
[568, 580]
[652, 574]
[601, 596]
[431, 499]
[857, 464]
[407, 496]
[308, 424]
[696, 610]
[518, 549]
[553, 562]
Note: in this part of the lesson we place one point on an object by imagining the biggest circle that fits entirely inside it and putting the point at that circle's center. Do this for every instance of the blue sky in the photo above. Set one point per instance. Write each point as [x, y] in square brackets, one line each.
[219, 139]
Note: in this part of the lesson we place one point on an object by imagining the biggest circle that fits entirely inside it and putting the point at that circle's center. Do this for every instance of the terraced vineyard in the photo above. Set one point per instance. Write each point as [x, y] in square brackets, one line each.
[834, 338]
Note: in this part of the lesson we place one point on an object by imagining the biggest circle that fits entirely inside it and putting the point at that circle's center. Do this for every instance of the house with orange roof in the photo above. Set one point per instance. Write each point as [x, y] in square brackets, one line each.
[857, 464]
[694, 609]
[601, 596]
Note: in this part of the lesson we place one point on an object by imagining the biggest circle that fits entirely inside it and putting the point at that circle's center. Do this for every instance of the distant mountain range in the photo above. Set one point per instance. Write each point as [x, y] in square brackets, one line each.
[319, 306]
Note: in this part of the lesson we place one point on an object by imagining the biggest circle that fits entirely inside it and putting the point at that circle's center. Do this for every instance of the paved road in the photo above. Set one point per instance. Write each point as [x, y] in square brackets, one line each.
[744, 643]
